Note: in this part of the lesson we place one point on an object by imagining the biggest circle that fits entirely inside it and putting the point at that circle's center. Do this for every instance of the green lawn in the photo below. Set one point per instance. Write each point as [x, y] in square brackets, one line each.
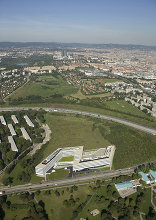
[78, 129]
[64, 159]
[59, 174]
[54, 204]
[46, 87]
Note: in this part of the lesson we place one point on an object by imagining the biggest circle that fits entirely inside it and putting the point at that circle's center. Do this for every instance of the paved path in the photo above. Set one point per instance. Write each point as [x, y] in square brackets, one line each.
[141, 213]
[91, 114]
[46, 139]
[152, 198]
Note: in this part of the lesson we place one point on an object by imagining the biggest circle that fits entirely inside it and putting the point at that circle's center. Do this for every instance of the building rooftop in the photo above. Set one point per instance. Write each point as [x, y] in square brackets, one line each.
[153, 174]
[2, 120]
[144, 177]
[14, 119]
[25, 134]
[12, 142]
[12, 130]
[29, 122]
[126, 184]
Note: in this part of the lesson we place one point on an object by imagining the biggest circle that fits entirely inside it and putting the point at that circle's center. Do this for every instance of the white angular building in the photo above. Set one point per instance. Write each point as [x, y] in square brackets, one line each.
[76, 158]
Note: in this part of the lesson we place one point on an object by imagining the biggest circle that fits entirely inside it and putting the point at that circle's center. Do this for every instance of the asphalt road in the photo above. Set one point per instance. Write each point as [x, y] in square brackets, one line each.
[96, 115]
[67, 181]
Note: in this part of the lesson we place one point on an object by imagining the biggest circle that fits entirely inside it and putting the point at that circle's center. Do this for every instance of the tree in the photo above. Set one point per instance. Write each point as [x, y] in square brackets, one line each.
[7, 181]
[1, 164]
[2, 213]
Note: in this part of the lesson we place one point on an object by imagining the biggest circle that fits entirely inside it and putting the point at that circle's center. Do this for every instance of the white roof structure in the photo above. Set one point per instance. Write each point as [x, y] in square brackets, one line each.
[2, 120]
[81, 160]
[25, 134]
[12, 130]
[13, 117]
[12, 142]
[28, 121]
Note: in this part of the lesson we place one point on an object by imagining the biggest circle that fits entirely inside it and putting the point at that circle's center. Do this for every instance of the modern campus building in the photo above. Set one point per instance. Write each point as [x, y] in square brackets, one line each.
[76, 158]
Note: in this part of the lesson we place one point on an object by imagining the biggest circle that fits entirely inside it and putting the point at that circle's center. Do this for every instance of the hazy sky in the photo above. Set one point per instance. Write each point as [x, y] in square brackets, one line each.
[87, 21]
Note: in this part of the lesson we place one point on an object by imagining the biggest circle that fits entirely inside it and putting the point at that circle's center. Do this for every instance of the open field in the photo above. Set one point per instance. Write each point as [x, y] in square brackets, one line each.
[45, 86]
[125, 107]
[78, 129]
[79, 95]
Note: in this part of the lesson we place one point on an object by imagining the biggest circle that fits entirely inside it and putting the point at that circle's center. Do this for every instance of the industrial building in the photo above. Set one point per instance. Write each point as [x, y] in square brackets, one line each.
[28, 121]
[12, 142]
[2, 120]
[13, 117]
[76, 158]
[12, 130]
[25, 134]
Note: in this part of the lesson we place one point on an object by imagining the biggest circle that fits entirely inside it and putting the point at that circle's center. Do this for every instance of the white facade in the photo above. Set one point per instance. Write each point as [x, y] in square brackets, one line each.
[12, 142]
[2, 120]
[28, 121]
[25, 134]
[13, 117]
[12, 130]
[82, 160]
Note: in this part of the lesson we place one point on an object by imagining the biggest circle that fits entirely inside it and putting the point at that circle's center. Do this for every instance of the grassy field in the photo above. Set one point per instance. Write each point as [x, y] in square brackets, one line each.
[45, 87]
[79, 95]
[78, 129]
[132, 147]
[125, 107]
[59, 174]
[55, 203]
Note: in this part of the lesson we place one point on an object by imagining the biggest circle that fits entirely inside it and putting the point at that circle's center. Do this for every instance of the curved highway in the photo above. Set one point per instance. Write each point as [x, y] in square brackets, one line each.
[91, 114]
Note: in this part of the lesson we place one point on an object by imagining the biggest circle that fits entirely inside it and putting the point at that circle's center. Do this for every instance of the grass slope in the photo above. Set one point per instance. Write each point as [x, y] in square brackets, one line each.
[68, 131]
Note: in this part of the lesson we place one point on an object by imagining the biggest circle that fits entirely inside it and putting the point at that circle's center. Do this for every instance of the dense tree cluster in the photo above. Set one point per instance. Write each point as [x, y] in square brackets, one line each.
[35, 211]
[36, 134]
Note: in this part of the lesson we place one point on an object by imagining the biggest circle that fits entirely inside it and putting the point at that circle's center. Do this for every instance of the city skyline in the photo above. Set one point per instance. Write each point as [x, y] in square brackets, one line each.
[121, 22]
